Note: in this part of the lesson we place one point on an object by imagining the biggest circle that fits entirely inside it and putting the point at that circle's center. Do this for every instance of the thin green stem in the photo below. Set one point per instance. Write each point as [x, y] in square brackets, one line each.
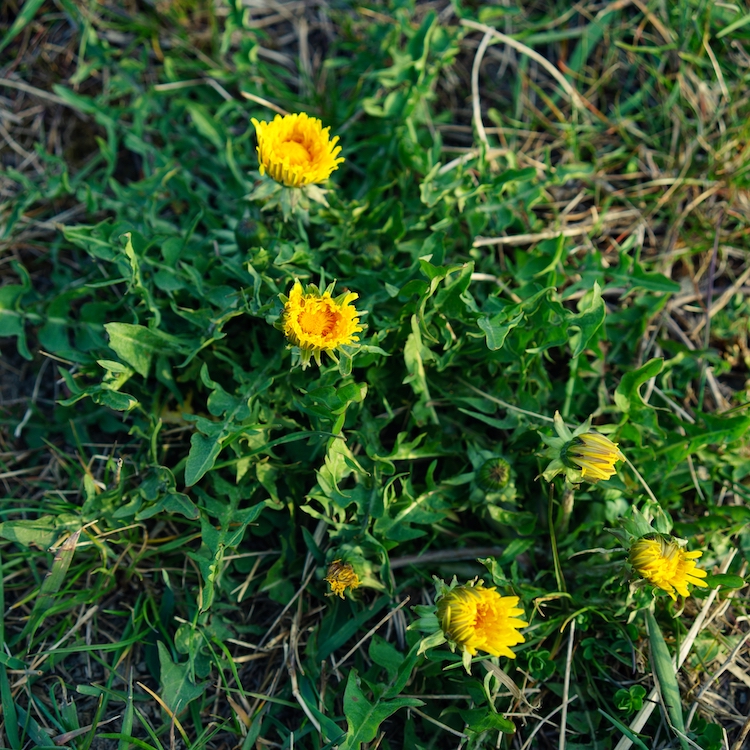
[553, 540]
[570, 387]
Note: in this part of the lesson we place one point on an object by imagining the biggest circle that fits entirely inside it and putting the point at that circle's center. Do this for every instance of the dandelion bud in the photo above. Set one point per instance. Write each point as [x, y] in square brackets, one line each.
[493, 474]
[581, 454]
[594, 454]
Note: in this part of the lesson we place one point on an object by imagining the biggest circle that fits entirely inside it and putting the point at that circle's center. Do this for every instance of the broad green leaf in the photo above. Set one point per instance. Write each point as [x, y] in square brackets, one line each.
[174, 502]
[41, 532]
[727, 580]
[203, 454]
[403, 672]
[364, 718]
[497, 328]
[11, 321]
[385, 655]
[137, 345]
[12, 315]
[94, 239]
[628, 393]
[178, 686]
[485, 720]
[588, 320]
[653, 282]
[205, 125]
[415, 355]
[715, 429]
[115, 400]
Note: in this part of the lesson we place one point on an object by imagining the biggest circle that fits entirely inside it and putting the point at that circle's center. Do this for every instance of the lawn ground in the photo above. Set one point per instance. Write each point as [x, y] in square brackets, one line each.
[544, 207]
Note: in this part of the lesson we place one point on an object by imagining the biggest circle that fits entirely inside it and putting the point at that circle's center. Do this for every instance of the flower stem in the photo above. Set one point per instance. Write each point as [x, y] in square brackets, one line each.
[566, 511]
[553, 541]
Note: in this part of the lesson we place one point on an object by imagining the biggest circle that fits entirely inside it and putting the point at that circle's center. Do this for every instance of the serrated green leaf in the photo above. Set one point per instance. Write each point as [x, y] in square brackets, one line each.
[628, 393]
[497, 328]
[174, 502]
[364, 718]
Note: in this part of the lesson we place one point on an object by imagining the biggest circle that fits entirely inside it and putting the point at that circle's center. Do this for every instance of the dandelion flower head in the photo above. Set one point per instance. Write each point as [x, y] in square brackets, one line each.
[666, 565]
[594, 454]
[478, 618]
[296, 150]
[316, 322]
[580, 454]
[340, 577]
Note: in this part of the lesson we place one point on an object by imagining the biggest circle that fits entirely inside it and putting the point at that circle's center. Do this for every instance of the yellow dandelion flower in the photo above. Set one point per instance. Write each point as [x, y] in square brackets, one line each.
[296, 150]
[581, 454]
[594, 454]
[478, 618]
[341, 576]
[318, 323]
[666, 565]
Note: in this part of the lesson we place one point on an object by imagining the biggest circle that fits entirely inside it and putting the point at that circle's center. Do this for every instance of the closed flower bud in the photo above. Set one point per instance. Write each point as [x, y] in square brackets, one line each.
[493, 474]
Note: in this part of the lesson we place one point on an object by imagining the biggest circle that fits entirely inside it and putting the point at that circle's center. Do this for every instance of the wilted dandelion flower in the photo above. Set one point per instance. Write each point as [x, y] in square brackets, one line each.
[667, 565]
[581, 454]
[341, 576]
[478, 618]
[317, 322]
[296, 150]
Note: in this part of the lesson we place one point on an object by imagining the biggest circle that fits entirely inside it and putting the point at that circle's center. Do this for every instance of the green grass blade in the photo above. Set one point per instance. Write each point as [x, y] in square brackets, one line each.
[2, 604]
[661, 663]
[127, 719]
[23, 19]
[38, 736]
[149, 729]
[52, 583]
[129, 740]
[86, 744]
[739, 23]
[9, 714]
[625, 730]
